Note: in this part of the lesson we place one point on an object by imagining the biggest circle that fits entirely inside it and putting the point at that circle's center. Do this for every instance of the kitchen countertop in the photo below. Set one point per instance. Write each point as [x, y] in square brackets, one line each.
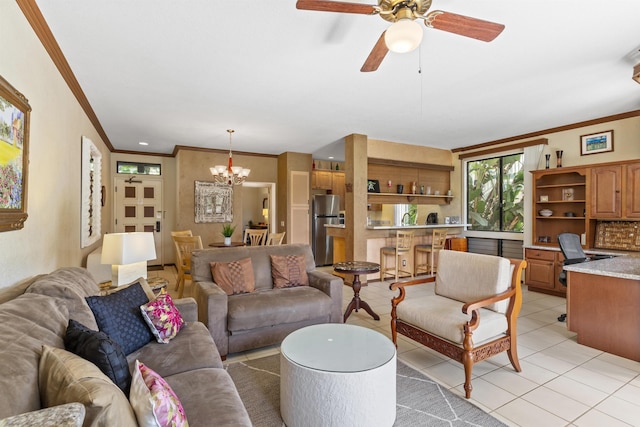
[624, 267]
[402, 227]
[586, 251]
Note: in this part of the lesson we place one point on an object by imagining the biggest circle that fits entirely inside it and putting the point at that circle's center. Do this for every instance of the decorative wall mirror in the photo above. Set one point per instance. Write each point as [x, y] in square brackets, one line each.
[91, 192]
[14, 157]
[213, 202]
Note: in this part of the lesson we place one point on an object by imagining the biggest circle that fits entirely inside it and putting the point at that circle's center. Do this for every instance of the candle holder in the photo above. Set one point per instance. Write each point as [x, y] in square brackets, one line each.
[559, 158]
[547, 157]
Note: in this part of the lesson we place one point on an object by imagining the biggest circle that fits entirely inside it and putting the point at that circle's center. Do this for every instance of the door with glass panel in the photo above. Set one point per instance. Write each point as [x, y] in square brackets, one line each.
[138, 207]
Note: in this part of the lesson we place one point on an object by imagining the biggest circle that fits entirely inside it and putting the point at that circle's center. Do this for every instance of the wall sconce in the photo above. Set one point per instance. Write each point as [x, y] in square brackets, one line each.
[128, 254]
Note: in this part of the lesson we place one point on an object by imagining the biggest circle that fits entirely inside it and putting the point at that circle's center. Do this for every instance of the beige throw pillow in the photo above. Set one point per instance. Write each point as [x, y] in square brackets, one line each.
[65, 377]
[235, 277]
[288, 271]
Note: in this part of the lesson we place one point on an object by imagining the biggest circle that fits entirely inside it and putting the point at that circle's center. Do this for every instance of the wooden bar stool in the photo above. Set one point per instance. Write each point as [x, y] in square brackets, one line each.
[403, 247]
[438, 239]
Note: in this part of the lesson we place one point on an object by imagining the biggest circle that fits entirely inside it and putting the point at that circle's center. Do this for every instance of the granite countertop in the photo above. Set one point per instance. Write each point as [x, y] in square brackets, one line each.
[586, 251]
[624, 267]
[402, 227]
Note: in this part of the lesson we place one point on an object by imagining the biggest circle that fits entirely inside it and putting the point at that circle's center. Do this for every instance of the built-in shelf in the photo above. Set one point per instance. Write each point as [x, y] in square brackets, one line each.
[416, 198]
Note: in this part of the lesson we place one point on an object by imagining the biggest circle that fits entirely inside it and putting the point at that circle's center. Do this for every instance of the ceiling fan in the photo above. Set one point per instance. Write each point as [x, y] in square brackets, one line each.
[404, 35]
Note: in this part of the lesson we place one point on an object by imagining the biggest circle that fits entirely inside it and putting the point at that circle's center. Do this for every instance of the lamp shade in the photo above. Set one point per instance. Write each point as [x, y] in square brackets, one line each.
[127, 248]
[402, 36]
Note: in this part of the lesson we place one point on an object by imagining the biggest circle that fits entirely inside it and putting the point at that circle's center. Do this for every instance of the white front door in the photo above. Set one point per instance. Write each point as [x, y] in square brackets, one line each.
[138, 207]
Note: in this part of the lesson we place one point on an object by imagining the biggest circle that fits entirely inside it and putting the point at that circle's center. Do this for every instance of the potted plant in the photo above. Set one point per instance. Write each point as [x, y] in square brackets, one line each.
[227, 232]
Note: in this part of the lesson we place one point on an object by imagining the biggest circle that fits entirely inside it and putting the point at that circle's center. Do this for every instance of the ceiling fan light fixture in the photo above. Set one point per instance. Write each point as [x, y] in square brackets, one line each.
[403, 36]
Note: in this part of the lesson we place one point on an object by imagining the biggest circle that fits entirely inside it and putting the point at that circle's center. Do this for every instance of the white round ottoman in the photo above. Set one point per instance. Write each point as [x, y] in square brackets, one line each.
[337, 375]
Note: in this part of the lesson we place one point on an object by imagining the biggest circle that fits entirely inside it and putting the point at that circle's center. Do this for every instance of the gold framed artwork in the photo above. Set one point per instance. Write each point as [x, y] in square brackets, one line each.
[14, 156]
[594, 143]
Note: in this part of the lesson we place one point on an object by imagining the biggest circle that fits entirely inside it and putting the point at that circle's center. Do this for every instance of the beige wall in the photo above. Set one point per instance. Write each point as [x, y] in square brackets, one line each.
[193, 165]
[51, 235]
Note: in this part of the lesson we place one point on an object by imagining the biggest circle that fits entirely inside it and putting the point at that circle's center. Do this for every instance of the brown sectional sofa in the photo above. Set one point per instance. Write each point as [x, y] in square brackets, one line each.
[37, 312]
[265, 316]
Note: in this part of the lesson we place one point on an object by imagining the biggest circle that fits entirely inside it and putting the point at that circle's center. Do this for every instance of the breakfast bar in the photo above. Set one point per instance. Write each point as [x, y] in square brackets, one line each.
[603, 304]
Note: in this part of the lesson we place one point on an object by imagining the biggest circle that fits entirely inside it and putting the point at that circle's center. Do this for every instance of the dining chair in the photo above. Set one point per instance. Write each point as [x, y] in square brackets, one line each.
[438, 239]
[185, 245]
[275, 239]
[176, 234]
[255, 237]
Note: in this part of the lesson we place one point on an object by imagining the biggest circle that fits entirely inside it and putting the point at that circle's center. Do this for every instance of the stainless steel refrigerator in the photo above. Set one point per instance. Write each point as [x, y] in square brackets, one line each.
[325, 211]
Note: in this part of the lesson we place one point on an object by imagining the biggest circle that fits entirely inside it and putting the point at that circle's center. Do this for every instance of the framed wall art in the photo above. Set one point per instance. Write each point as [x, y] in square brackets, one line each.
[91, 193]
[373, 186]
[596, 143]
[213, 202]
[14, 156]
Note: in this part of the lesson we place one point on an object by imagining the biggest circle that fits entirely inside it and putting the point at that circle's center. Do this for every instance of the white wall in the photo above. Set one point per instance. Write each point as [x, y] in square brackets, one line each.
[51, 235]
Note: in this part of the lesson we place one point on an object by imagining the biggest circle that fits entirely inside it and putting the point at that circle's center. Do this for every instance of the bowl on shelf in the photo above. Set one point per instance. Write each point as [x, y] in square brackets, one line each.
[546, 212]
[569, 214]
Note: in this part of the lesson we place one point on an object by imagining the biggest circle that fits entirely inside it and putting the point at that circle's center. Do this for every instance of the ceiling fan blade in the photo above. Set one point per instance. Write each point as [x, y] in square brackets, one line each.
[336, 6]
[463, 25]
[376, 56]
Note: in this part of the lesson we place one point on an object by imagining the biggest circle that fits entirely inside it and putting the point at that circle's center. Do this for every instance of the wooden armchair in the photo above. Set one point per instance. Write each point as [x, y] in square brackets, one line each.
[468, 288]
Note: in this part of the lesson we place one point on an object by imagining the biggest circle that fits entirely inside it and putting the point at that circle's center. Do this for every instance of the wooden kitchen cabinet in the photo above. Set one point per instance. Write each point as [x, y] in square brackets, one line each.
[543, 270]
[606, 192]
[632, 192]
[321, 180]
[337, 187]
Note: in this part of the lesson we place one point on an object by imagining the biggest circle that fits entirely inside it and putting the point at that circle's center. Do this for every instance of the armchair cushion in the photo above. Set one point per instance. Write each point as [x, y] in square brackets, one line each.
[444, 317]
[468, 277]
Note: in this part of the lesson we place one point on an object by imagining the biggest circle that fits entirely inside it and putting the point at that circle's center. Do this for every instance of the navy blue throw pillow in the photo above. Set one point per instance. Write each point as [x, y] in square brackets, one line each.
[118, 315]
[102, 351]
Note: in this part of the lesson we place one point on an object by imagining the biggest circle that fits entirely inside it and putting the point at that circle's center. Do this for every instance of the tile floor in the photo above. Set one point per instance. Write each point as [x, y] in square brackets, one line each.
[562, 383]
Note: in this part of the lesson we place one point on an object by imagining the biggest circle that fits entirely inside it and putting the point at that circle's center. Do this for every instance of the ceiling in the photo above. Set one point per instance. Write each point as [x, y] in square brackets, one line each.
[173, 73]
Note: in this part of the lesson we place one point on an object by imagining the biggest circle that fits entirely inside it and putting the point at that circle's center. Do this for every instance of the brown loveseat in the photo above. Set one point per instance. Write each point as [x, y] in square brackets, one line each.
[265, 316]
[37, 312]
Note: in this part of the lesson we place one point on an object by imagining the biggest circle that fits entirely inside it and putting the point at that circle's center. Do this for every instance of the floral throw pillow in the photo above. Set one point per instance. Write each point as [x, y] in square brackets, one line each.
[153, 401]
[163, 317]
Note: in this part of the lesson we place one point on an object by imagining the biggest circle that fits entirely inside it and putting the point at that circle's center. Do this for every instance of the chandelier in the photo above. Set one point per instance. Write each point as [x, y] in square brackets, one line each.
[231, 175]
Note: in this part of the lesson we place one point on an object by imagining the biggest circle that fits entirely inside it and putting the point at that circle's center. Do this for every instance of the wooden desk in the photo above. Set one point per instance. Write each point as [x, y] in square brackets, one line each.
[222, 245]
[602, 304]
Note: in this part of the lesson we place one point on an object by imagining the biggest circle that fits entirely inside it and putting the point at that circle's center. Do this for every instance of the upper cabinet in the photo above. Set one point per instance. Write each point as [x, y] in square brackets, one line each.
[615, 191]
[606, 193]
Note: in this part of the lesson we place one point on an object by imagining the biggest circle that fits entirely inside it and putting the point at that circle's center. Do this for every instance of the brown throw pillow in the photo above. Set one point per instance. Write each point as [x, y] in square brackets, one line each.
[235, 277]
[289, 270]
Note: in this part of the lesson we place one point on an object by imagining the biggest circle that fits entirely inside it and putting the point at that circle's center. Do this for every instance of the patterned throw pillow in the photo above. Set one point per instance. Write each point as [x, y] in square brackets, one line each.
[235, 277]
[102, 351]
[153, 400]
[288, 271]
[118, 315]
[163, 317]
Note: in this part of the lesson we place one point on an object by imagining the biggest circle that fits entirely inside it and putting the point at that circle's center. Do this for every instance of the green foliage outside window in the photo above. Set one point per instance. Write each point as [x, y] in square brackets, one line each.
[495, 194]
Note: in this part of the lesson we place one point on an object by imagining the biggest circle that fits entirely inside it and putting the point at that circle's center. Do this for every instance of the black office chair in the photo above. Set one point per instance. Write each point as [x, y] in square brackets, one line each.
[573, 254]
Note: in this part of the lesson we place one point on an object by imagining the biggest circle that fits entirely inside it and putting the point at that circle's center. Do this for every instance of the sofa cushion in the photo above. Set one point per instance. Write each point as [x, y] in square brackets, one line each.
[192, 348]
[443, 317]
[65, 377]
[288, 270]
[468, 277]
[118, 315]
[234, 277]
[275, 307]
[72, 285]
[223, 406]
[153, 400]
[99, 349]
[26, 323]
[162, 317]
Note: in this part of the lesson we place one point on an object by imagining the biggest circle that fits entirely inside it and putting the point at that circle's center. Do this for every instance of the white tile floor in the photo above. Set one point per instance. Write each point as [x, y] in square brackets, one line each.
[562, 383]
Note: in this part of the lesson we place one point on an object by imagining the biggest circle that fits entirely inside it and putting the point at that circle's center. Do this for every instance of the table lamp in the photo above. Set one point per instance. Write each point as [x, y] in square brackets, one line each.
[128, 254]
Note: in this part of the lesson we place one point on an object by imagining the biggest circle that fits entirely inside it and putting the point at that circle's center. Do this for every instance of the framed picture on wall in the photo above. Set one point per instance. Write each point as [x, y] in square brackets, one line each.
[373, 186]
[14, 156]
[596, 143]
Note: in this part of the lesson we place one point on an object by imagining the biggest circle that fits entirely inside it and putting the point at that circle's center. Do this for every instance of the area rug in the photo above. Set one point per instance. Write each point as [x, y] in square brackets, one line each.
[420, 401]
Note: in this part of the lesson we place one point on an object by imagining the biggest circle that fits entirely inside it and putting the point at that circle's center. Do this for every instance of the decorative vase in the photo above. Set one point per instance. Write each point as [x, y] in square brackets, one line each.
[227, 241]
[547, 157]
[559, 158]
